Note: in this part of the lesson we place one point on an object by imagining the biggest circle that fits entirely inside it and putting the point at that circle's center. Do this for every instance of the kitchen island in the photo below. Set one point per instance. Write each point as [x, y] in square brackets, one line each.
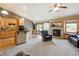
[7, 39]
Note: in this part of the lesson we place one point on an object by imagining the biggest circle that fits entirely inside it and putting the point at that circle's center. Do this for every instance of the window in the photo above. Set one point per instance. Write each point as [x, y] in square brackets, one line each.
[71, 27]
[43, 26]
[46, 26]
[39, 27]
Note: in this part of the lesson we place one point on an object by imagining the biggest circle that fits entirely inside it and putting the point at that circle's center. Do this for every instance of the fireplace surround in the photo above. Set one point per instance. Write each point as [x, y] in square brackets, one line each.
[56, 32]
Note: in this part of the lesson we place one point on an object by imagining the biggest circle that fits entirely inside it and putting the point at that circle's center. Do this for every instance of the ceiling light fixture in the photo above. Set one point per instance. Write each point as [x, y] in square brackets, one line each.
[59, 4]
[55, 9]
[4, 12]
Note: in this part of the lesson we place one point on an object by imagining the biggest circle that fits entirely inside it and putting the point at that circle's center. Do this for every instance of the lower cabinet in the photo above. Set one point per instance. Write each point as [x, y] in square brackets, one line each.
[8, 42]
[7, 39]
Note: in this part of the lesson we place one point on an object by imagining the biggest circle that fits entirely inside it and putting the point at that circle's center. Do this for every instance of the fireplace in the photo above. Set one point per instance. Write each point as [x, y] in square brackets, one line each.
[56, 32]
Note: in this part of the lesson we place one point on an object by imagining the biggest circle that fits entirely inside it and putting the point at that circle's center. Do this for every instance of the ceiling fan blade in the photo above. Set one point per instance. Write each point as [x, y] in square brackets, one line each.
[59, 5]
[63, 7]
[50, 10]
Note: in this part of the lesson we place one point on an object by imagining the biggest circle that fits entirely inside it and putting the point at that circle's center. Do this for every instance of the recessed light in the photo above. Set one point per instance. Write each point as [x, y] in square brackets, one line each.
[34, 22]
[4, 12]
[24, 7]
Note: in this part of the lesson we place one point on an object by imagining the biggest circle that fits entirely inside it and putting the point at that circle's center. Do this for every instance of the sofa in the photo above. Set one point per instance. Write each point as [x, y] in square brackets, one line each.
[74, 39]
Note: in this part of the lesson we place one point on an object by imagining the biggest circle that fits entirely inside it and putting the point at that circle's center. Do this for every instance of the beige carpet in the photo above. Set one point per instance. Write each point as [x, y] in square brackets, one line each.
[21, 37]
[36, 47]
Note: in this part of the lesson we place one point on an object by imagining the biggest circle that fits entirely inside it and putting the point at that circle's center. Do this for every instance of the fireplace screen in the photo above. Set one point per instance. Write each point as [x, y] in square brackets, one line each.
[56, 32]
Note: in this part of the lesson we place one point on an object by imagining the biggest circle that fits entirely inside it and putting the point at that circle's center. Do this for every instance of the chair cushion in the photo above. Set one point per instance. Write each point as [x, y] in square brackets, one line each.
[44, 33]
[74, 39]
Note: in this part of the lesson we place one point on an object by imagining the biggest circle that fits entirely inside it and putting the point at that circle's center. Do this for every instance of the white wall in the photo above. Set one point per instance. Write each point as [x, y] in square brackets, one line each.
[21, 22]
[28, 24]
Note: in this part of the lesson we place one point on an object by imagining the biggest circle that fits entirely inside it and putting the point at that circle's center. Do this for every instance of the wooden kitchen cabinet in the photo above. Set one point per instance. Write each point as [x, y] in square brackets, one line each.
[6, 22]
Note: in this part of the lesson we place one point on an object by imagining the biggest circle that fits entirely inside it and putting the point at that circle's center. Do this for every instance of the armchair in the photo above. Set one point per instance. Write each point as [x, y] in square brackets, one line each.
[46, 36]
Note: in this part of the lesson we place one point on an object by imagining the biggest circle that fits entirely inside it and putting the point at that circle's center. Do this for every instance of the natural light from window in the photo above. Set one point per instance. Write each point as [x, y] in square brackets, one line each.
[71, 27]
[46, 26]
[43, 26]
[39, 27]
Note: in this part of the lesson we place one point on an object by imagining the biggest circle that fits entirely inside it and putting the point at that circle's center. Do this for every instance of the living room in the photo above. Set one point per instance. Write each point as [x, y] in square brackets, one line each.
[53, 31]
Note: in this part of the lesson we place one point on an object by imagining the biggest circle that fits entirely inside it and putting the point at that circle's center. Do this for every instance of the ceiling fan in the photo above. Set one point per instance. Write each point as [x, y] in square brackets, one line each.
[58, 6]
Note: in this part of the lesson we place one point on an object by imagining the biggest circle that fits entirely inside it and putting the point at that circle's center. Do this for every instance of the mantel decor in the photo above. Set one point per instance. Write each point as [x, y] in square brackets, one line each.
[56, 24]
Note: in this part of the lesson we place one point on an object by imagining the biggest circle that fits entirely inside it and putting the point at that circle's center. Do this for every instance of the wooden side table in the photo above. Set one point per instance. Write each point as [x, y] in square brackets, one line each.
[65, 36]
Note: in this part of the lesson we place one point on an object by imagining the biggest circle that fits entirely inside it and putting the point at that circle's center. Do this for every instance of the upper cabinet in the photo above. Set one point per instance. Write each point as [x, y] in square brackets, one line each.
[3, 22]
[9, 23]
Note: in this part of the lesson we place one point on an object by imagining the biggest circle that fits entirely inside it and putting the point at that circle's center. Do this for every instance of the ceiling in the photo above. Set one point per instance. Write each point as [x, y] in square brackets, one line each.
[9, 15]
[40, 11]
